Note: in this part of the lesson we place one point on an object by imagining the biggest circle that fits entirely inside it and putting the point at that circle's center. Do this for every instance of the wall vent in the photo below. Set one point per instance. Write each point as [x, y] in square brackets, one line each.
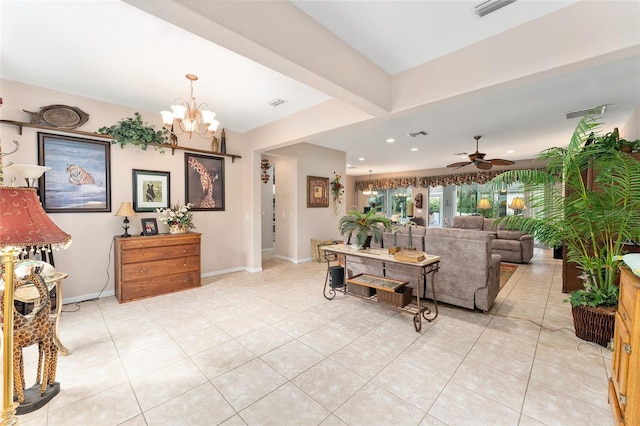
[582, 112]
[277, 102]
[490, 6]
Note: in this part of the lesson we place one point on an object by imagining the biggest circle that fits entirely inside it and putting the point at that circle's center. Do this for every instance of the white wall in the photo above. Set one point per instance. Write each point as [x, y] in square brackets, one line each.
[89, 260]
[297, 224]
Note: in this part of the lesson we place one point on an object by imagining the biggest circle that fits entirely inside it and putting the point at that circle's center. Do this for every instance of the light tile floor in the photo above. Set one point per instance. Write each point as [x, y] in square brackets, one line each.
[268, 349]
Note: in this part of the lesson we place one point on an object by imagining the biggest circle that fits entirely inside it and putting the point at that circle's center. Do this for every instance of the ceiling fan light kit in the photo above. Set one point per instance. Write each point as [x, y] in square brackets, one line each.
[477, 158]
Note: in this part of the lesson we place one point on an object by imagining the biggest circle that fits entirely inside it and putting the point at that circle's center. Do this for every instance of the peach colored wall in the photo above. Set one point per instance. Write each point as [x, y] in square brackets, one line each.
[89, 260]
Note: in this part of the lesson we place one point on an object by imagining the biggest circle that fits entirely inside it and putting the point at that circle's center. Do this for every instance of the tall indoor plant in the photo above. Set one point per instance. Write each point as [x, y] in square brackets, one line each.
[594, 221]
[364, 225]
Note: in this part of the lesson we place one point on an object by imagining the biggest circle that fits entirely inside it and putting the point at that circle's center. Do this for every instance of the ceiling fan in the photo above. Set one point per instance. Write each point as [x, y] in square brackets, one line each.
[477, 158]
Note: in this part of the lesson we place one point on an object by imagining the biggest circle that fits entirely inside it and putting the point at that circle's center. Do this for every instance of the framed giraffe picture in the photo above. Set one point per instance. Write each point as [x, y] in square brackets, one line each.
[204, 181]
[151, 190]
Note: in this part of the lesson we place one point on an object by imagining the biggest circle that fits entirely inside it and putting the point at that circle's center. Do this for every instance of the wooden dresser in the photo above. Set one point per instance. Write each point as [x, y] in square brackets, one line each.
[158, 264]
[624, 384]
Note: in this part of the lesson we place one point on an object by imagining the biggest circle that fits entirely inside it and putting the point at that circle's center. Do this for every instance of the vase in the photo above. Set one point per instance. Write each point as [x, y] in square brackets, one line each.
[177, 229]
[364, 240]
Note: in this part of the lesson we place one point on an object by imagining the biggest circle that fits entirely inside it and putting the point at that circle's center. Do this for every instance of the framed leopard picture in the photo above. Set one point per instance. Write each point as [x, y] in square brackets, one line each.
[79, 180]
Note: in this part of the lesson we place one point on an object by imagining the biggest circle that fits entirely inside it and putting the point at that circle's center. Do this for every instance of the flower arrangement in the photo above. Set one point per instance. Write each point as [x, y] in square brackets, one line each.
[337, 189]
[177, 215]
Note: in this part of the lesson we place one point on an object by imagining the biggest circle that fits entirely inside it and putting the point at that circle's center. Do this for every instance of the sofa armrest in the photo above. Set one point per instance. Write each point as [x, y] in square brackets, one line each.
[526, 237]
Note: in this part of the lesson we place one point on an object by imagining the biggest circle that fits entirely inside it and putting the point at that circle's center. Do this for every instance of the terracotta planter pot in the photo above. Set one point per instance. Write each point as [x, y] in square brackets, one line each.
[594, 324]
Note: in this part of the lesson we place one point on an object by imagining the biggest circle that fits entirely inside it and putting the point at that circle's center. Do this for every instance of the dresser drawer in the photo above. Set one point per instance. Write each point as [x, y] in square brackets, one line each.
[166, 284]
[140, 255]
[162, 241]
[158, 268]
[627, 296]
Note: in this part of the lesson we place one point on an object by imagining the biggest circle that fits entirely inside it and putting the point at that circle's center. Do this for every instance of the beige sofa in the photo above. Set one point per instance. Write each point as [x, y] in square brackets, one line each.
[514, 246]
[469, 273]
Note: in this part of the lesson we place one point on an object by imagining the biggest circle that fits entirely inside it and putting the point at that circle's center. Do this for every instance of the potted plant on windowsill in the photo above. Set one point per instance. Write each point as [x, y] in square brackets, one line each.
[364, 225]
[593, 223]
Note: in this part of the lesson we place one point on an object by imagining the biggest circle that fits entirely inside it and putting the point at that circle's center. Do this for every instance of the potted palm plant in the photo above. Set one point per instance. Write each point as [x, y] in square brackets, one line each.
[593, 221]
[365, 226]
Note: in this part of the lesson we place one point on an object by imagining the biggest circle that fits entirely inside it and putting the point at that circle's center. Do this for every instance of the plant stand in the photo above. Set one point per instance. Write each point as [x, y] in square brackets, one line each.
[594, 324]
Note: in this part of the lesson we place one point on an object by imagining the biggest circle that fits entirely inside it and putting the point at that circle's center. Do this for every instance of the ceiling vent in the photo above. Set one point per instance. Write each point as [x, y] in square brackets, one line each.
[277, 102]
[416, 134]
[583, 112]
[491, 6]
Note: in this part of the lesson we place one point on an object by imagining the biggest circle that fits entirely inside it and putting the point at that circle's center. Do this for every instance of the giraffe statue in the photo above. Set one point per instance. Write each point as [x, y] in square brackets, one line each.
[36, 327]
[206, 180]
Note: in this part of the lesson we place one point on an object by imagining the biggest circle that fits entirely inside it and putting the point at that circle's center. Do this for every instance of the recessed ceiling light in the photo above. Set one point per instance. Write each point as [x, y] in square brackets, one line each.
[361, 159]
[510, 151]
[414, 149]
[391, 140]
[350, 166]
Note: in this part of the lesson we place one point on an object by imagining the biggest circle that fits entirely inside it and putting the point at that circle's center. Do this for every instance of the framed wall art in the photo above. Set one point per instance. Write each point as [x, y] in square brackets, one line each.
[317, 191]
[79, 180]
[149, 226]
[151, 190]
[204, 181]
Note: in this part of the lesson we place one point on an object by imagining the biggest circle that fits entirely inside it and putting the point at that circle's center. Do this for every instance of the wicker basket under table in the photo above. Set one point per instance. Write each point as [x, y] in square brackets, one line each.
[388, 290]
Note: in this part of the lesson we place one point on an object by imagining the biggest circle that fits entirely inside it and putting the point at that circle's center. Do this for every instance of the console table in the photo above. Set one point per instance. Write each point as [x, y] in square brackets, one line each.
[346, 253]
[156, 264]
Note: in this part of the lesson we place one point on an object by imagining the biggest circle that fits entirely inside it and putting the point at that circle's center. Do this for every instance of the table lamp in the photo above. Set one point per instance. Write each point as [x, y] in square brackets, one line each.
[484, 205]
[24, 223]
[517, 205]
[126, 211]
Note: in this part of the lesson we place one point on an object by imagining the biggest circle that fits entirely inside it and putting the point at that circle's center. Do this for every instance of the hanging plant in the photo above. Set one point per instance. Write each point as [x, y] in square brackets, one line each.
[133, 131]
[337, 189]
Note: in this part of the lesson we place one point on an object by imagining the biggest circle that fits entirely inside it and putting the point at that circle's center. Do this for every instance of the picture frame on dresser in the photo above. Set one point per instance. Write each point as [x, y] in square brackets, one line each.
[204, 182]
[151, 190]
[149, 226]
[79, 180]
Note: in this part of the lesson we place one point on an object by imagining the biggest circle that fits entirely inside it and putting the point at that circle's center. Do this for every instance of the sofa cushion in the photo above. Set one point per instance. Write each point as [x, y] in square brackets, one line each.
[504, 234]
[468, 222]
[508, 245]
[490, 225]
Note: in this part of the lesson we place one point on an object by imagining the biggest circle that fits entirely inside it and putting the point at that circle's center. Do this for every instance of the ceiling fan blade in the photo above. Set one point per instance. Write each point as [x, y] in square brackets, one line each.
[484, 165]
[459, 164]
[501, 162]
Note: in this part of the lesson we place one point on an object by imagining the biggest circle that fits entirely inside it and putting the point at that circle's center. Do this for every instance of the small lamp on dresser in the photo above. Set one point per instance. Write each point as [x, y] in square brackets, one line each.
[125, 211]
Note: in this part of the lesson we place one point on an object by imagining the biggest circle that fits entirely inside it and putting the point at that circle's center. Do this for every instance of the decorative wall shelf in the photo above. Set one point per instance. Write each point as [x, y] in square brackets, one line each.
[173, 148]
[21, 124]
[202, 151]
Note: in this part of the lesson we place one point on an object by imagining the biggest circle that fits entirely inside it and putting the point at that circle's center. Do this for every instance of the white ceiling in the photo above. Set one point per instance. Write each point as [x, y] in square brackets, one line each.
[120, 53]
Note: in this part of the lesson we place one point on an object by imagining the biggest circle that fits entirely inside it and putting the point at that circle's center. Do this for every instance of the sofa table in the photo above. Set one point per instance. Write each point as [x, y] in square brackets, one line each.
[429, 266]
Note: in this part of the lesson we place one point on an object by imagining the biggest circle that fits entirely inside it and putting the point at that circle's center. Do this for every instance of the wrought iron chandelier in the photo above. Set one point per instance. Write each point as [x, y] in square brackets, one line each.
[185, 117]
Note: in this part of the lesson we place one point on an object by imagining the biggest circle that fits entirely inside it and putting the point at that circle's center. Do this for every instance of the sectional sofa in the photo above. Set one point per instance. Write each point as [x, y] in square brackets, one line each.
[469, 273]
[514, 246]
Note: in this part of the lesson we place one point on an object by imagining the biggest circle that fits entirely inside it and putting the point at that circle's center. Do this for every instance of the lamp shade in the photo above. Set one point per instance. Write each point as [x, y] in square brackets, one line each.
[483, 204]
[23, 221]
[517, 204]
[125, 210]
[29, 171]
